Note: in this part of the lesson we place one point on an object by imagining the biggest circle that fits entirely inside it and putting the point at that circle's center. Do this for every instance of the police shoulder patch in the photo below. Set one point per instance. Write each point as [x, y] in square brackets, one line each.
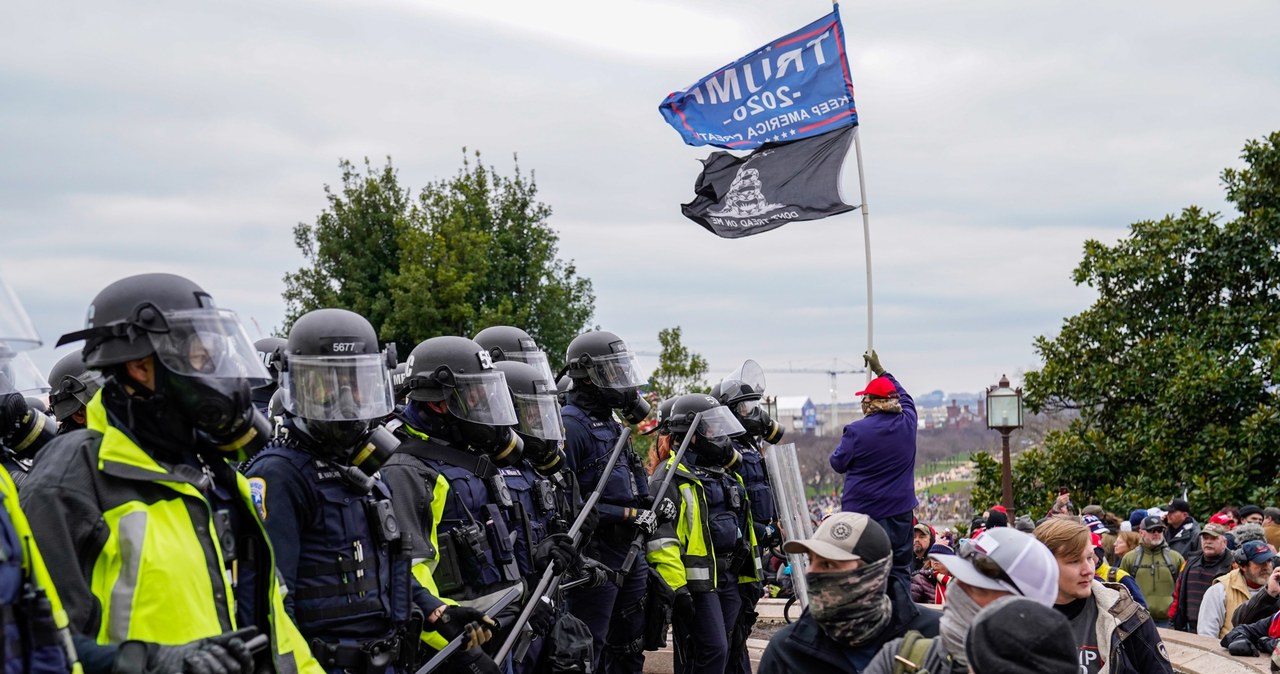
[258, 495]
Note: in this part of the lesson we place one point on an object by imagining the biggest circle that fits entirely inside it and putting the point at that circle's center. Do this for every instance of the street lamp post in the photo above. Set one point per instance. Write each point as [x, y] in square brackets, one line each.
[1004, 414]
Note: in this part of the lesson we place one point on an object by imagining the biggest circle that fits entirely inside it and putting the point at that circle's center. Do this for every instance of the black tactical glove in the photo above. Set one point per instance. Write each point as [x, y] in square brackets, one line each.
[768, 536]
[598, 574]
[556, 551]
[872, 359]
[682, 610]
[13, 415]
[666, 511]
[645, 521]
[459, 620]
[223, 654]
[1242, 647]
[589, 524]
[473, 661]
[543, 617]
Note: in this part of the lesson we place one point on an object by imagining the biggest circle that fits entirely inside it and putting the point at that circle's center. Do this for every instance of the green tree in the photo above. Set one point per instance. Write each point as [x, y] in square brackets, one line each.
[1172, 371]
[679, 370]
[351, 251]
[468, 252]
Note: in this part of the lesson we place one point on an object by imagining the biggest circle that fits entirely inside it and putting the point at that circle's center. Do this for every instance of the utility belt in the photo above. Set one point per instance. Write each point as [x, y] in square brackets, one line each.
[370, 657]
[475, 555]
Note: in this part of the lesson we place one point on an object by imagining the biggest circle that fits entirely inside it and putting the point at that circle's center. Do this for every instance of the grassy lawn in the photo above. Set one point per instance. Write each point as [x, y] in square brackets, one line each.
[953, 487]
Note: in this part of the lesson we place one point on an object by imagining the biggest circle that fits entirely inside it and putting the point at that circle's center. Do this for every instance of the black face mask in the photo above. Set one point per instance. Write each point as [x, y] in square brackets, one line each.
[503, 446]
[220, 409]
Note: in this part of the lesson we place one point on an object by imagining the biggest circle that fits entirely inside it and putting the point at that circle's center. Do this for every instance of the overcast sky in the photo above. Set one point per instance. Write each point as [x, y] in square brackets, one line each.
[997, 137]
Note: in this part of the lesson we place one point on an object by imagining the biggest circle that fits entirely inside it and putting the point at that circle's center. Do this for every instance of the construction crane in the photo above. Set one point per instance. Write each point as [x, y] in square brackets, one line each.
[833, 372]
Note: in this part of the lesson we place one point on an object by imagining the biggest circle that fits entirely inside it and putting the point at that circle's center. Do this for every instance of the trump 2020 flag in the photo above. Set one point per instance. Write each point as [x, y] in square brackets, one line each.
[776, 184]
[794, 87]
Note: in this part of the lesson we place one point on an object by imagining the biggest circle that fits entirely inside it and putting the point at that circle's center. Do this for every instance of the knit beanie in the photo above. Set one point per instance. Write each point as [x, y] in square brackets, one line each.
[1025, 524]
[1016, 635]
[997, 518]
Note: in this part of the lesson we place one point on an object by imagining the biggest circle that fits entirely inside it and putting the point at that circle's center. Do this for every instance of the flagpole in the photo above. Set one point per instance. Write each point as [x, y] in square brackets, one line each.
[866, 236]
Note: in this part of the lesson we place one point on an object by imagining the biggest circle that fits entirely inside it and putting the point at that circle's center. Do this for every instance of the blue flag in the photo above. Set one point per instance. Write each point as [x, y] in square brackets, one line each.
[794, 87]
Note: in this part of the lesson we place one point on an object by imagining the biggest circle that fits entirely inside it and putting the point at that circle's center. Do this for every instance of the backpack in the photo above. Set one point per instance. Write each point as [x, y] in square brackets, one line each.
[570, 645]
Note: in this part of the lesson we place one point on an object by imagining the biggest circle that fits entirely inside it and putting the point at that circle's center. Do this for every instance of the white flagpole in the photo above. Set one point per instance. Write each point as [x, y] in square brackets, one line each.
[866, 236]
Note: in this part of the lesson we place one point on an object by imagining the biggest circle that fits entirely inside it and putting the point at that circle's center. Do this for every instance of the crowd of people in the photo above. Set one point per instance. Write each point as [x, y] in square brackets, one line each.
[186, 501]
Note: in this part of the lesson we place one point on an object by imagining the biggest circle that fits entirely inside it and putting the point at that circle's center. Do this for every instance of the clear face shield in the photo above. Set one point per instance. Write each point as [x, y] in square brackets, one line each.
[482, 398]
[539, 416]
[615, 371]
[748, 379]
[22, 374]
[16, 329]
[208, 343]
[537, 359]
[719, 422]
[337, 388]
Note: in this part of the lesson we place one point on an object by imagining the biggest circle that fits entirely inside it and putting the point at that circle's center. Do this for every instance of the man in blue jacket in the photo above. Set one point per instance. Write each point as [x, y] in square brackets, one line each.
[878, 458]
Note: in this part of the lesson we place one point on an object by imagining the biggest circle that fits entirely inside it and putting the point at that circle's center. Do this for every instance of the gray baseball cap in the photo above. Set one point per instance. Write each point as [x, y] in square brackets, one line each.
[845, 537]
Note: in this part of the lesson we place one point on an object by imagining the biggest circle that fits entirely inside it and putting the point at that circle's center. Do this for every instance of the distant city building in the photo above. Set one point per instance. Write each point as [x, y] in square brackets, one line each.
[798, 413]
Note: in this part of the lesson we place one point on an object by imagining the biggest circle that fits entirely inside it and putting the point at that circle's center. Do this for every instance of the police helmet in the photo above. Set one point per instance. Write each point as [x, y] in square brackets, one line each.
[333, 370]
[717, 421]
[538, 411]
[603, 358]
[508, 343]
[460, 372]
[268, 349]
[171, 317]
[73, 385]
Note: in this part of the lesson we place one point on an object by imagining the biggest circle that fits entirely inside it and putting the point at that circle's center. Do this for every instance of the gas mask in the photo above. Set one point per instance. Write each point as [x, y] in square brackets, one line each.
[547, 456]
[628, 402]
[761, 426]
[500, 443]
[717, 452]
[333, 440]
[220, 408]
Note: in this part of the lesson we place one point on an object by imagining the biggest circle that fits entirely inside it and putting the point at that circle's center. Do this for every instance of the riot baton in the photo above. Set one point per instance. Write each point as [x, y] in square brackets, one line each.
[549, 576]
[638, 542]
[457, 641]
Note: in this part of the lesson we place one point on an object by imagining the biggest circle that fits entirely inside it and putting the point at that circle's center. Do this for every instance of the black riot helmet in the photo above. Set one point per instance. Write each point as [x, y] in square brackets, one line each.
[604, 370]
[711, 444]
[741, 392]
[538, 414]
[336, 384]
[459, 373]
[73, 386]
[507, 343]
[205, 363]
[268, 349]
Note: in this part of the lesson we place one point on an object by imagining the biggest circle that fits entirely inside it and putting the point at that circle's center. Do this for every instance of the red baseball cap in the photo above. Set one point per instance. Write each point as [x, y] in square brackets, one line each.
[880, 386]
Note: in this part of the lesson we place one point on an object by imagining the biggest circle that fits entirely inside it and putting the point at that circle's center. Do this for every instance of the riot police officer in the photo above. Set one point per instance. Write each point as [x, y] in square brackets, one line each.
[34, 617]
[268, 349]
[507, 343]
[741, 392]
[605, 377]
[145, 501]
[704, 557]
[73, 386]
[330, 520]
[446, 482]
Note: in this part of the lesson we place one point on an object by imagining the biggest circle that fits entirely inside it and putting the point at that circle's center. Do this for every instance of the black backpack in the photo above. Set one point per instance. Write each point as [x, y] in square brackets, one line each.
[570, 642]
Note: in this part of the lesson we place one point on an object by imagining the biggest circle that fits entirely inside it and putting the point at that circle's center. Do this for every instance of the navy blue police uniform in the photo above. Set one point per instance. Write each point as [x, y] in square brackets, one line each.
[613, 613]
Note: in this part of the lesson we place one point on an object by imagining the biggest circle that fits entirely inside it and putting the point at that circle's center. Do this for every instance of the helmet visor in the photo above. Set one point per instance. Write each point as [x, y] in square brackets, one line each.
[23, 375]
[337, 388]
[537, 359]
[616, 370]
[482, 398]
[539, 416]
[746, 408]
[719, 422]
[208, 343]
[748, 379]
[15, 326]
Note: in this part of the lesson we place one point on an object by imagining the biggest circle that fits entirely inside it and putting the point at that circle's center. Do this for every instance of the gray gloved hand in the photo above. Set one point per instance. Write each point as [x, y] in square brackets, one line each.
[872, 359]
[646, 521]
[223, 654]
